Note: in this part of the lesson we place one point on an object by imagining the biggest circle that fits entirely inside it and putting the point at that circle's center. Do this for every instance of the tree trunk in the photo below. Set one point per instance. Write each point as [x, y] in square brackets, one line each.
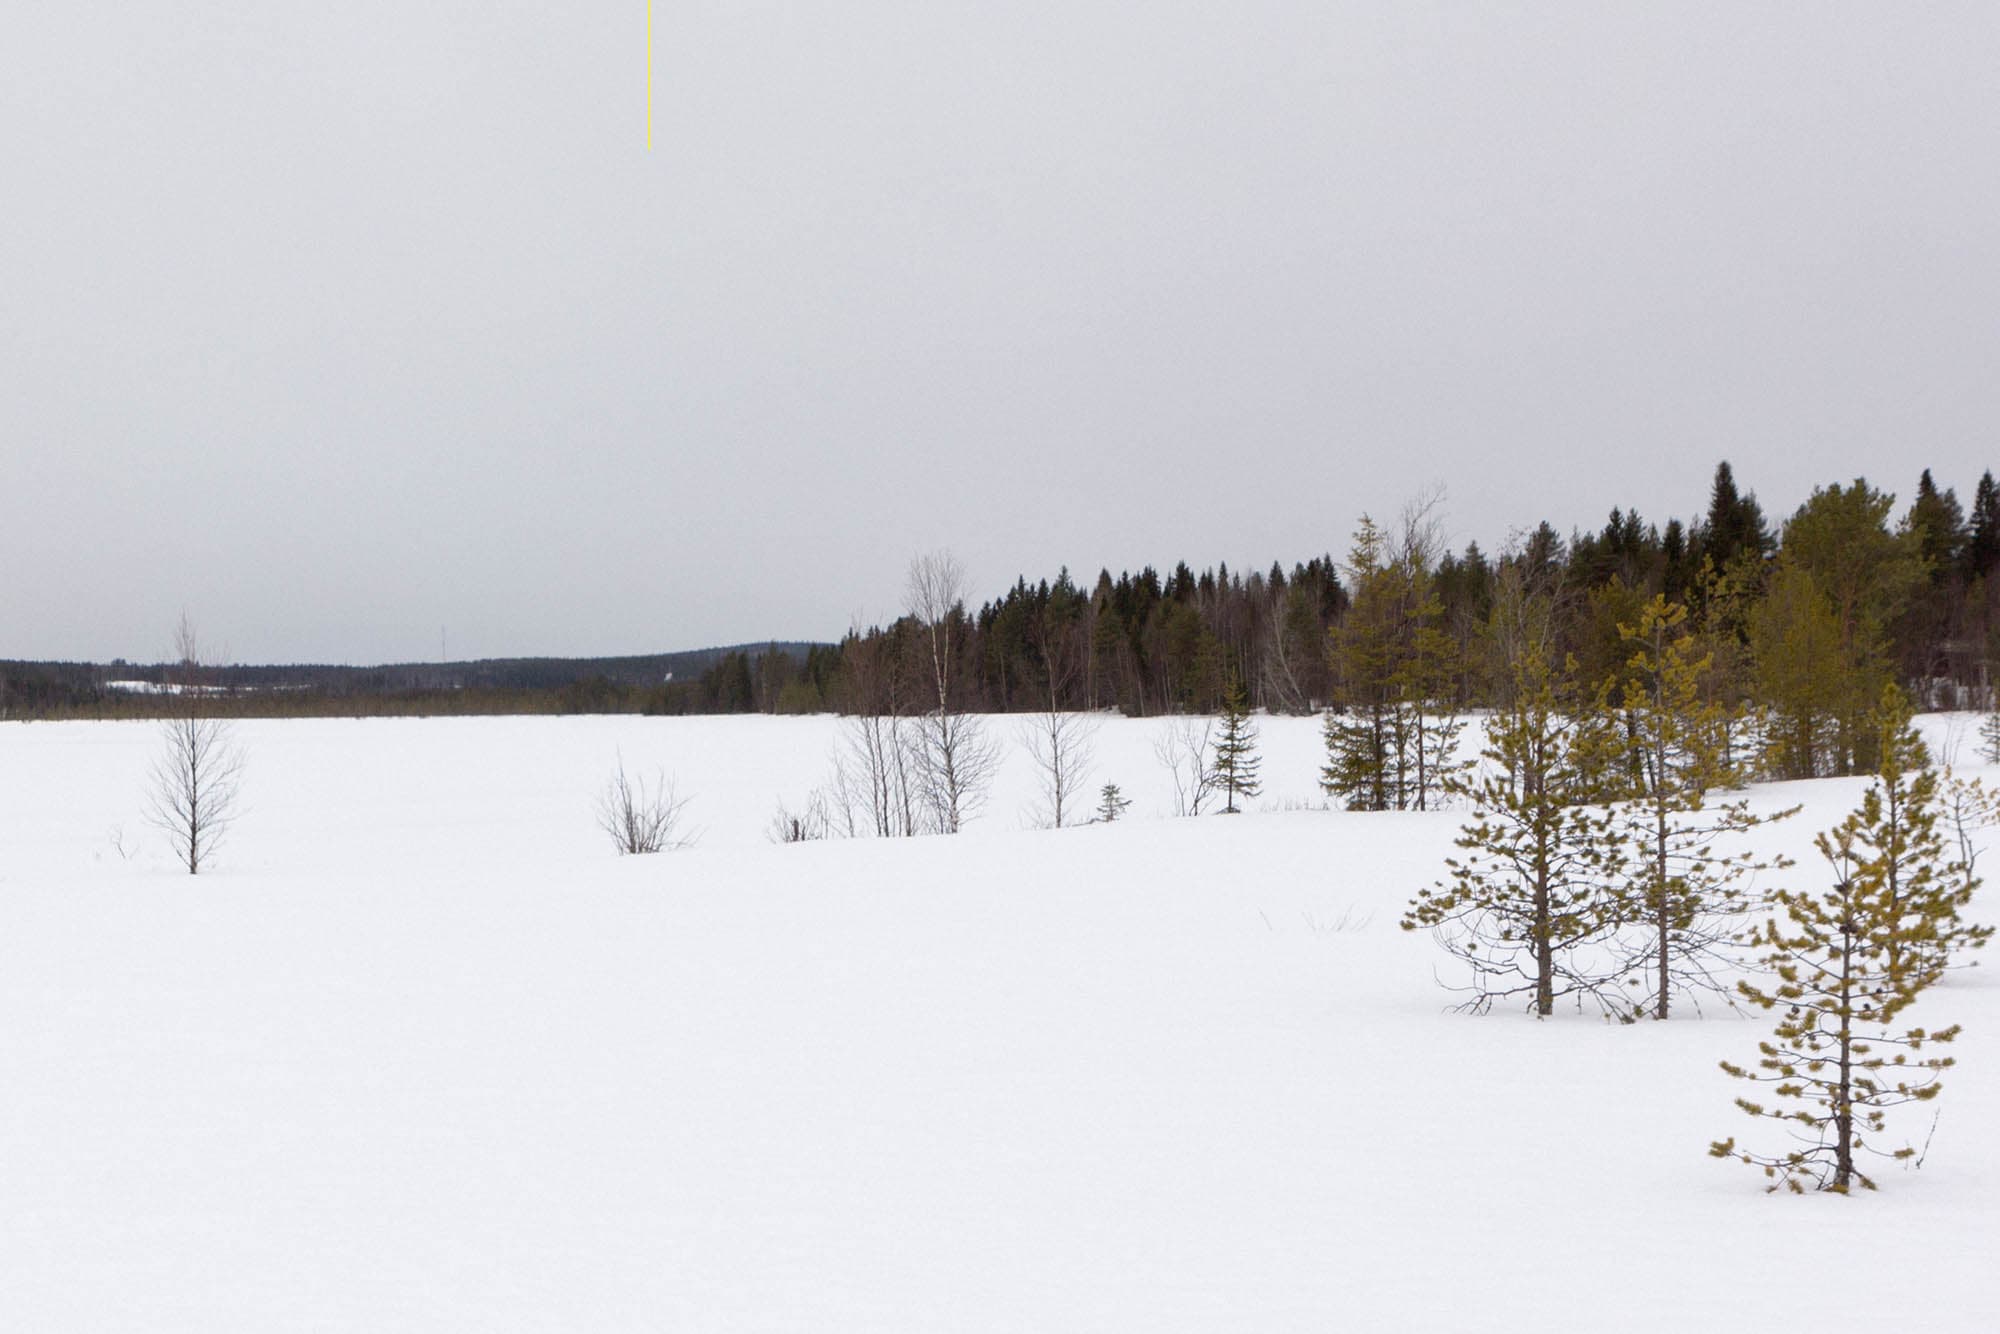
[1843, 1106]
[1663, 910]
[1545, 950]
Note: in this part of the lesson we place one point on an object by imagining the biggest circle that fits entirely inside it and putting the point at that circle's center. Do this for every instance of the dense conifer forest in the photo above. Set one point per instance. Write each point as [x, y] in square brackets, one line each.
[1807, 617]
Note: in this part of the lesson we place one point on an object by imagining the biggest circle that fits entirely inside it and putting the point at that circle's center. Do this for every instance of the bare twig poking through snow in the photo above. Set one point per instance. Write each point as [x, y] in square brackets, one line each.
[123, 846]
[811, 822]
[642, 817]
[198, 774]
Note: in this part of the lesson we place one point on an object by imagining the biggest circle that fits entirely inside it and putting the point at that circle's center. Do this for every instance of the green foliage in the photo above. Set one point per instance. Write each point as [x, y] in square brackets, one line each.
[1938, 521]
[1854, 957]
[1843, 965]
[1687, 892]
[1236, 761]
[1390, 742]
[1989, 738]
[1111, 803]
[1534, 904]
[1896, 830]
[1807, 677]
[1735, 529]
[1841, 535]
[1822, 636]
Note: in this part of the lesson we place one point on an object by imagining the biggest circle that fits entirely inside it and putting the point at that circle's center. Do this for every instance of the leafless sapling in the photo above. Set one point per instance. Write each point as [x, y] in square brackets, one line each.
[956, 759]
[197, 776]
[1182, 746]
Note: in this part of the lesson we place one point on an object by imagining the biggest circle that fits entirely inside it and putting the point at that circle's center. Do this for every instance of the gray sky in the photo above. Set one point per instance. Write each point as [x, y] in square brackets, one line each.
[339, 324]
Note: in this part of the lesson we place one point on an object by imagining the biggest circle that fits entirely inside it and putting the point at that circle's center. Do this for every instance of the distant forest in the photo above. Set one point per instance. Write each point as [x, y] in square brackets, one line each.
[714, 680]
[1812, 612]
[1805, 618]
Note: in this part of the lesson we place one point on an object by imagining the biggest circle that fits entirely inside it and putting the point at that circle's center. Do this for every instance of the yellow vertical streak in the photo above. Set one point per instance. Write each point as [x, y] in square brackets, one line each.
[649, 76]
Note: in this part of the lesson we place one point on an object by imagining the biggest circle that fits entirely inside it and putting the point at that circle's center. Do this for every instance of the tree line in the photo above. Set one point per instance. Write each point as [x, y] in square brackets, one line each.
[1806, 620]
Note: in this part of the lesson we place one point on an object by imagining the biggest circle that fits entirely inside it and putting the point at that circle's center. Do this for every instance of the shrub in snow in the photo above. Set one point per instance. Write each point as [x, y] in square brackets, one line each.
[641, 817]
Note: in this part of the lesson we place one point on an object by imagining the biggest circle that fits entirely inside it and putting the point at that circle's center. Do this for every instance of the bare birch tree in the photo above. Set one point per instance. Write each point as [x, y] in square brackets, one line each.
[1182, 746]
[197, 777]
[955, 756]
[874, 787]
[1060, 744]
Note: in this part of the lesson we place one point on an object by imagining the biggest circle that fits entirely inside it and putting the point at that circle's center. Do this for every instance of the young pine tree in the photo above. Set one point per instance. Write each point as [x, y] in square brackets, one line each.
[1236, 761]
[1534, 904]
[1845, 965]
[1111, 803]
[1687, 896]
[1896, 832]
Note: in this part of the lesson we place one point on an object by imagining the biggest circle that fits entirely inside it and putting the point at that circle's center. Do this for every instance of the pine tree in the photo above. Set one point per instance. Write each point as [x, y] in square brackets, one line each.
[1111, 803]
[1236, 761]
[1534, 905]
[1844, 969]
[1804, 677]
[1865, 576]
[1687, 896]
[1896, 833]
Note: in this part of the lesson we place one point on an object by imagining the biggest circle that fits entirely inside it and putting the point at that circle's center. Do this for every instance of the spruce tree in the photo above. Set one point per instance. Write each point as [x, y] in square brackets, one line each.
[1235, 765]
[1735, 528]
[1392, 742]
[1989, 737]
[1982, 546]
[1360, 732]
[1687, 895]
[1842, 968]
[1534, 904]
[1939, 522]
[1111, 803]
[1425, 682]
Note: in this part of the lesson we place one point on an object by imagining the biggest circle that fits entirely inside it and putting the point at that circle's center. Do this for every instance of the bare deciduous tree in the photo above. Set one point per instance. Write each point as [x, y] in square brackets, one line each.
[955, 757]
[197, 776]
[642, 817]
[1182, 745]
[1061, 745]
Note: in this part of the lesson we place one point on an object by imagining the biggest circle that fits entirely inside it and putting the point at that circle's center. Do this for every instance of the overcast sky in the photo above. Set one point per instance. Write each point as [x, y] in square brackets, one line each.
[343, 325]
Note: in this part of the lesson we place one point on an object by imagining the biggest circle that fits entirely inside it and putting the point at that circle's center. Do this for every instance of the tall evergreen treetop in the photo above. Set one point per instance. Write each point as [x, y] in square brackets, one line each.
[1939, 523]
[1736, 523]
[1982, 546]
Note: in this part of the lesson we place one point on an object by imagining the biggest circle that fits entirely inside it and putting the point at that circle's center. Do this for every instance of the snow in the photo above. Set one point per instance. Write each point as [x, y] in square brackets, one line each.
[423, 1054]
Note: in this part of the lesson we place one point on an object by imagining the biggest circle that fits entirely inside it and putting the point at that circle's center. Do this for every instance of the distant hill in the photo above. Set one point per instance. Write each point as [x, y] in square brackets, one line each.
[54, 688]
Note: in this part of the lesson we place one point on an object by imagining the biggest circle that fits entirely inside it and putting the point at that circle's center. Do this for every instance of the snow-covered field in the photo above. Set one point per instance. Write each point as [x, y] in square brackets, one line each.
[422, 1054]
